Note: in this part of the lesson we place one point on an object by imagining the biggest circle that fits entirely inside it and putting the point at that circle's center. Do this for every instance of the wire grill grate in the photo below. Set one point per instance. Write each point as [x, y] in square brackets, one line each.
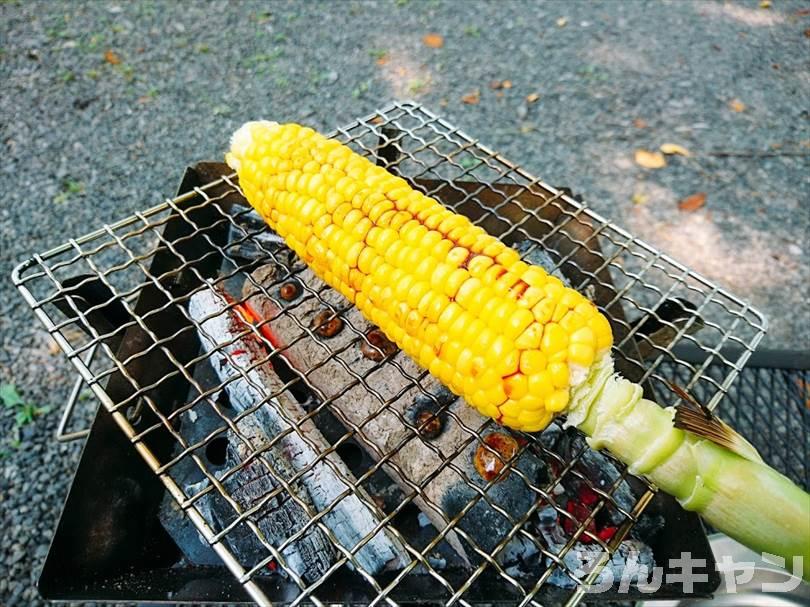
[147, 351]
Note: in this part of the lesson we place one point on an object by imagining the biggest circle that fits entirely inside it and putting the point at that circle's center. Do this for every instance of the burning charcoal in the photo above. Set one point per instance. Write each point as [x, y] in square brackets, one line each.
[252, 242]
[385, 429]
[326, 480]
[633, 559]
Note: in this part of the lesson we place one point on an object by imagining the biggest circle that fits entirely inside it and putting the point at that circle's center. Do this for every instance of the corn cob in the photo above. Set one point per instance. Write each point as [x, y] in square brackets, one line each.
[503, 334]
[516, 343]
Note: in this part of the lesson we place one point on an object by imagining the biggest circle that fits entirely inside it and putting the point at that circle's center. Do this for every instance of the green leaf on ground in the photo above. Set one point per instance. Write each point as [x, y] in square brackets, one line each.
[10, 396]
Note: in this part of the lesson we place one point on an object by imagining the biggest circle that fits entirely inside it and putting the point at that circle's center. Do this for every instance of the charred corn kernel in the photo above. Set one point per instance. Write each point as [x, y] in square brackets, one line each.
[496, 330]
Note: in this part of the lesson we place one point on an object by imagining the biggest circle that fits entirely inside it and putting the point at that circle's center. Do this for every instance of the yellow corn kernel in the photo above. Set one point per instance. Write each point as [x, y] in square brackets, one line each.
[509, 363]
[555, 339]
[581, 354]
[516, 386]
[585, 335]
[534, 276]
[540, 384]
[530, 338]
[572, 321]
[479, 264]
[467, 291]
[454, 281]
[498, 349]
[457, 255]
[500, 332]
[559, 374]
[451, 351]
[464, 363]
[531, 362]
[557, 401]
[517, 322]
[530, 297]
[543, 310]
[449, 315]
[529, 417]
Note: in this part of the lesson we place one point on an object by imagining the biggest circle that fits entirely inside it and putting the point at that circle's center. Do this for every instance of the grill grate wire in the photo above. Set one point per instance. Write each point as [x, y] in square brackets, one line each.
[630, 279]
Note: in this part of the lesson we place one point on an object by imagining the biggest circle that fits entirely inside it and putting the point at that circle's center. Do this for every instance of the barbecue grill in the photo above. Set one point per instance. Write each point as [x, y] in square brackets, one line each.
[159, 508]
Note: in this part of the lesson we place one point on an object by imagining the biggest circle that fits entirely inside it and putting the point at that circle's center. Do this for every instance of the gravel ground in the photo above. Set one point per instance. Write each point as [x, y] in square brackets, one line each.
[103, 104]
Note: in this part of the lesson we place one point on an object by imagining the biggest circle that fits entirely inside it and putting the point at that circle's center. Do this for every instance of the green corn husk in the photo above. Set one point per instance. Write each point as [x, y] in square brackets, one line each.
[740, 496]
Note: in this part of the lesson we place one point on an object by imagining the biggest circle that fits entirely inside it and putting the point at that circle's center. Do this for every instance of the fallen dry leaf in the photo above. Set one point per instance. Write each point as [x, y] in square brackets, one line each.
[532, 97]
[53, 347]
[674, 149]
[736, 105]
[807, 33]
[507, 84]
[377, 120]
[693, 202]
[500, 84]
[650, 160]
[562, 22]
[112, 58]
[639, 123]
[640, 198]
[765, 4]
[433, 40]
[802, 12]
[472, 98]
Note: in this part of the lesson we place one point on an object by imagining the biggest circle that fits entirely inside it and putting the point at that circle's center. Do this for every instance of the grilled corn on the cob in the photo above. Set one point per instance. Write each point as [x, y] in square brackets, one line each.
[512, 340]
[503, 334]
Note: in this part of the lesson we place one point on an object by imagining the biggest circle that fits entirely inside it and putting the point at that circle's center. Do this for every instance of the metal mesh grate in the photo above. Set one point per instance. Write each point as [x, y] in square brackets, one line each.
[147, 372]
